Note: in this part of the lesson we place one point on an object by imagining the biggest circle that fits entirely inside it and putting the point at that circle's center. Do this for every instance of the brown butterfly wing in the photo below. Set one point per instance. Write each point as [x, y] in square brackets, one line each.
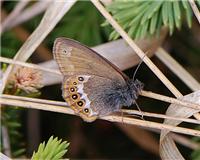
[73, 58]
[86, 96]
[87, 76]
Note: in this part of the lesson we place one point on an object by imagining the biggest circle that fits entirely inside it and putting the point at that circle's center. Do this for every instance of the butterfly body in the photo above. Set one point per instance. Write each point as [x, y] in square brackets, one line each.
[92, 86]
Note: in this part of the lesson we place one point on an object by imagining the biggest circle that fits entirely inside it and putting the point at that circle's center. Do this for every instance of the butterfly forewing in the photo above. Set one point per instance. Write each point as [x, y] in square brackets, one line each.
[73, 57]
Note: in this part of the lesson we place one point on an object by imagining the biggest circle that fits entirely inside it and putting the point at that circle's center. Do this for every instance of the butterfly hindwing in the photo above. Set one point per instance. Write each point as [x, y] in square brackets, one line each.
[86, 95]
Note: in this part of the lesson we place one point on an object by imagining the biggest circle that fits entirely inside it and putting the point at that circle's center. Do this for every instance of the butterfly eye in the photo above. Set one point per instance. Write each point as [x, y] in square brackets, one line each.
[86, 110]
[80, 78]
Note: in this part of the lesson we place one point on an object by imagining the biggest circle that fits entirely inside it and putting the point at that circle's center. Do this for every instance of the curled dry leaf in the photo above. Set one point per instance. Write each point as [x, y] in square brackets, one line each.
[168, 149]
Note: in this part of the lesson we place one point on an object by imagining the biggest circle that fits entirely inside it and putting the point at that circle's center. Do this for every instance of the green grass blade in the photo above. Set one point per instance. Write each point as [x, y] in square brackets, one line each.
[153, 23]
[165, 13]
[170, 16]
[177, 13]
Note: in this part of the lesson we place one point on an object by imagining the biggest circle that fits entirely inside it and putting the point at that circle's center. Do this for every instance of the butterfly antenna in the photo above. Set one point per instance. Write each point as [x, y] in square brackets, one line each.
[139, 110]
[138, 67]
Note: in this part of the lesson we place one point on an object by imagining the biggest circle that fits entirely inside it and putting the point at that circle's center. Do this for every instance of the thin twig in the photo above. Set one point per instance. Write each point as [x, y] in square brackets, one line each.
[113, 118]
[185, 141]
[139, 52]
[30, 65]
[156, 115]
[195, 9]
[170, 99]
[51, 102]
[28, 13]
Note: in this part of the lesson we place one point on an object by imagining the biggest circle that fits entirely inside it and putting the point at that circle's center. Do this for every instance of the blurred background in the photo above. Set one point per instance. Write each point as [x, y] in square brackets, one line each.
[100, 139]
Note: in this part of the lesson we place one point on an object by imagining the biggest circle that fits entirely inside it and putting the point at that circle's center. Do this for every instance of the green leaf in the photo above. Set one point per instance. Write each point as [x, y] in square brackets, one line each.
[170, 16]
[154, 14]
[153, 7]
[60, 154]
[177, 13]
[188, 13]
[184, 4]
[54, 149]
[153, 23]
[138, 33]
[19, 152]
[165, 13]
[120, 6]
[144, 29]
[198, 2]
[114, 35]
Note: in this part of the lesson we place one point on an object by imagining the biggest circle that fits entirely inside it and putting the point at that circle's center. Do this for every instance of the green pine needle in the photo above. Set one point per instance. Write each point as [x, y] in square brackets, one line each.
[145, 18]
[54, 149]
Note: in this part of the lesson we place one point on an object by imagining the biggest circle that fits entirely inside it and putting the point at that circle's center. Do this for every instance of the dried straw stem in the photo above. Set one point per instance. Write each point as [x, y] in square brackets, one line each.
[195, 10]
[56, 107]
[58, 103]
[30, 65]
[28, 13]
[156, 115]
[170, 99]
[177, 69]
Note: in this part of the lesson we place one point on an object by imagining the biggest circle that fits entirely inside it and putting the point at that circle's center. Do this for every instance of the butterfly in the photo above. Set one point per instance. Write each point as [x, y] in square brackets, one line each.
[92, 86]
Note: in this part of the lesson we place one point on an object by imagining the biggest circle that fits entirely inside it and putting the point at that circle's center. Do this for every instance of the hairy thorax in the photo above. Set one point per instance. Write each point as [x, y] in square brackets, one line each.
[125, 95]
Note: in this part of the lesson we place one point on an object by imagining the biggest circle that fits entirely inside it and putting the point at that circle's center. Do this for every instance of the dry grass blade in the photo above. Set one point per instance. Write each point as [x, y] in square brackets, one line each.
[52, 16]
[185, 141]
[156, 115]
[179, 102]
[4, 157]
[175, 67]
[28, 13]
[123, 110]
[36, 104]
[34, 66]
[15, 13]
[195, 10]
[167, 144]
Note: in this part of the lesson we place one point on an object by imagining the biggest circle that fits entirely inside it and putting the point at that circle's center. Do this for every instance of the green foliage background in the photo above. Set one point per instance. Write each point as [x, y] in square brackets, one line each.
[145, 18]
